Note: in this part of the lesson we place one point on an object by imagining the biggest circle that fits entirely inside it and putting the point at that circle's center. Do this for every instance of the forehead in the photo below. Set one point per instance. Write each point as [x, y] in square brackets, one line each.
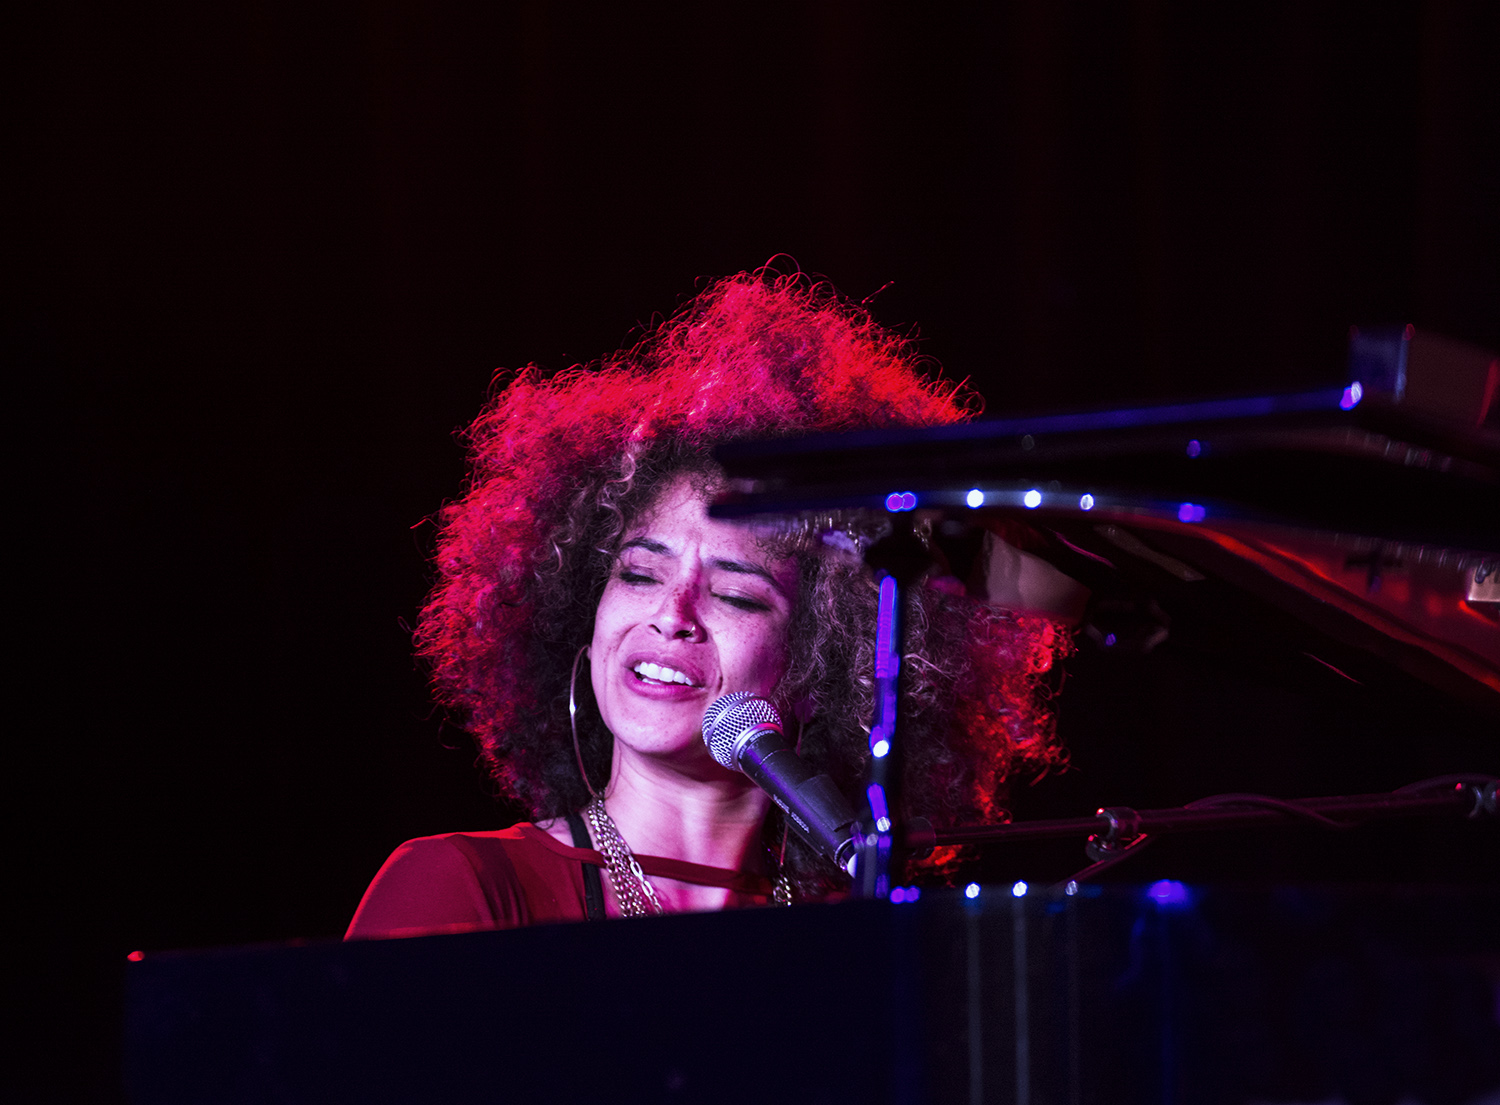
[679, 519]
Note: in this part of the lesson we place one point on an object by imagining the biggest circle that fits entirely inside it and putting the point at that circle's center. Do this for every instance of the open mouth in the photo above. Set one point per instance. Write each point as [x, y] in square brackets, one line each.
[658, 673]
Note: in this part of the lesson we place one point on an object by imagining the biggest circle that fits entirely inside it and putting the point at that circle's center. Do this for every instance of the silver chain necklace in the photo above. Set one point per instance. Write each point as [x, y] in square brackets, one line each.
[633, 890]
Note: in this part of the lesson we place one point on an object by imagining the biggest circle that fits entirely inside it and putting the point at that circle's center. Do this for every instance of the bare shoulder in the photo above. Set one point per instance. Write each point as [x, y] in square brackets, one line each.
[557, 828]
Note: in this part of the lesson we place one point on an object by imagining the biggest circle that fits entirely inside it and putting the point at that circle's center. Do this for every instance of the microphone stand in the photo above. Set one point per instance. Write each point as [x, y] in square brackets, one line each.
[1118, 832]
[898, 561]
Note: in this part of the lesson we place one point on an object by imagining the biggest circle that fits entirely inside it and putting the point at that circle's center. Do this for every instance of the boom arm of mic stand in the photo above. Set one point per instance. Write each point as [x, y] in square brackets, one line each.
[1116, 832]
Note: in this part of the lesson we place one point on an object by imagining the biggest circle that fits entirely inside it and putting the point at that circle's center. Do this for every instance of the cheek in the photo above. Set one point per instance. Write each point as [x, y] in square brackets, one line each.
[600, 652]
[764, 657]
[615, 611]
[606, 618]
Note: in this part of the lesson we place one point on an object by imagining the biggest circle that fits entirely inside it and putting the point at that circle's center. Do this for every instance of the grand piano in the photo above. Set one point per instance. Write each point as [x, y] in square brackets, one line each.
[1277, 600]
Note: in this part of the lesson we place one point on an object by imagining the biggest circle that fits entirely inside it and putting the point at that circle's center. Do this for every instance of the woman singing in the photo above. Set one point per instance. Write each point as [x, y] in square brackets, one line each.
[588, 610]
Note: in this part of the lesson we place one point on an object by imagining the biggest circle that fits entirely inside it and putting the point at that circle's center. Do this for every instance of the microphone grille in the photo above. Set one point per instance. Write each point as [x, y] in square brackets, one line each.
[729, 716]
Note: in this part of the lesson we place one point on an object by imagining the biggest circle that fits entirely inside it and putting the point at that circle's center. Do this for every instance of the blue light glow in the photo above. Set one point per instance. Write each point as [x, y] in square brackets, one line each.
[972, 890]
[1072, 888]
[887, 666]
[887, 663]
[1191, 512]
[901, 894]
[1352, 395]
[1109, 640]
[975, 498]
[883, 824]
[1168, 893]
[1019, 889]
[881, 812]
[1032, 499]
[1194, 448]
[1086, 502]
[897, 501]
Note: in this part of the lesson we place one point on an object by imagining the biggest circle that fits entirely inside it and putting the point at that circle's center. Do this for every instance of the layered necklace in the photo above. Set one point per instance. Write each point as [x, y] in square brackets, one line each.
[633, 890]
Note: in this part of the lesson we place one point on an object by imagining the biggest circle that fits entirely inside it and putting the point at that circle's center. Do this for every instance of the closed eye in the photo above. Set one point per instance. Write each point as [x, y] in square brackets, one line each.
[742, 603]
[629, 576]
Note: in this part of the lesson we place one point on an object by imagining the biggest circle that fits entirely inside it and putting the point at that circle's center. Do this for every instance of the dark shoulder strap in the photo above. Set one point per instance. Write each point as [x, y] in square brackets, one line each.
[593, 887]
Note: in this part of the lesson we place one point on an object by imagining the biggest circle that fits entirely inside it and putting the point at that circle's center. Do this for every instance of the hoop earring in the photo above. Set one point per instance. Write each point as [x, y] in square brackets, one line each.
[573, 722]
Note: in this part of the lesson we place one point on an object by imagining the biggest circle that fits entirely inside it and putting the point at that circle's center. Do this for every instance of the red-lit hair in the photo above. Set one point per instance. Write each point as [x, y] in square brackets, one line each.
[561, 465]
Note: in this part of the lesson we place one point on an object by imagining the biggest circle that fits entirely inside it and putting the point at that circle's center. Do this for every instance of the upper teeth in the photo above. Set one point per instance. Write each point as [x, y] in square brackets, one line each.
[662, 674]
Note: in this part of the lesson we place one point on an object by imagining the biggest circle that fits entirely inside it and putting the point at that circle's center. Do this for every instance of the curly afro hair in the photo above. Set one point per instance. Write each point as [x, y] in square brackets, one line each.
[563, 463]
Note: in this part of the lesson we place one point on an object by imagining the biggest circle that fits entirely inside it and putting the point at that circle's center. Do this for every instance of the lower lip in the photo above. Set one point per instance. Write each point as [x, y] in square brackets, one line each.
[668, 691]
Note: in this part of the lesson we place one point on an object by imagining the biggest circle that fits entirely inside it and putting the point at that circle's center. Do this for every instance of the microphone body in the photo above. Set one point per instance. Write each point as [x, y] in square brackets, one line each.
[743, 732]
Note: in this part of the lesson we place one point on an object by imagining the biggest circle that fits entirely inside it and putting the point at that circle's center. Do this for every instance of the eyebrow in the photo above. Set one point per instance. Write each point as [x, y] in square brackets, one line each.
[645, 543]
[739, 567]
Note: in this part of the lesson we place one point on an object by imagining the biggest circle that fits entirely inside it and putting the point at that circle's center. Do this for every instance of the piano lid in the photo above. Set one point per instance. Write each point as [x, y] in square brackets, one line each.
[1376, 523]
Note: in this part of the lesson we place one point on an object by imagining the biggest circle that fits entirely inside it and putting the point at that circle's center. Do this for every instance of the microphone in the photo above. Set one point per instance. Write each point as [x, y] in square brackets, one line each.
[743, 733]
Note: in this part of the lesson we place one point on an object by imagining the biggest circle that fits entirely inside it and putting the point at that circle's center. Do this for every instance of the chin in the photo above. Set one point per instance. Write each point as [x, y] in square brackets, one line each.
[676, 747]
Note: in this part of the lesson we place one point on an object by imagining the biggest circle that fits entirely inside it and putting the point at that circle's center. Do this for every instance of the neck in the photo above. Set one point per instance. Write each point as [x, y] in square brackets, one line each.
[660, 811]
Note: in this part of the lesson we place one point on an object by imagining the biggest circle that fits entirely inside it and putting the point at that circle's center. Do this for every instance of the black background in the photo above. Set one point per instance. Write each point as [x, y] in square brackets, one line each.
[266, 257]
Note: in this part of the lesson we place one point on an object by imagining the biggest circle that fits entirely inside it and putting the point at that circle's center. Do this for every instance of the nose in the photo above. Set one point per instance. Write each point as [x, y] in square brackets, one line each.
[678, 616]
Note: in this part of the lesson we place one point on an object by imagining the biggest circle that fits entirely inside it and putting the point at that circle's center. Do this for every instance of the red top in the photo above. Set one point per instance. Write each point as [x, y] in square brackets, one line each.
[463, 882]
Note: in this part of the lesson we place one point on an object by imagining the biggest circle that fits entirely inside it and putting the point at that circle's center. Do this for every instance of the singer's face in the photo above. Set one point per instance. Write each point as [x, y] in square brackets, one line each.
[694, 608]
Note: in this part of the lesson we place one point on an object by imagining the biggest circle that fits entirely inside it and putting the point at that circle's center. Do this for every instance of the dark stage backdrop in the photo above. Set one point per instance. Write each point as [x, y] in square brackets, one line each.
[268, 257]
